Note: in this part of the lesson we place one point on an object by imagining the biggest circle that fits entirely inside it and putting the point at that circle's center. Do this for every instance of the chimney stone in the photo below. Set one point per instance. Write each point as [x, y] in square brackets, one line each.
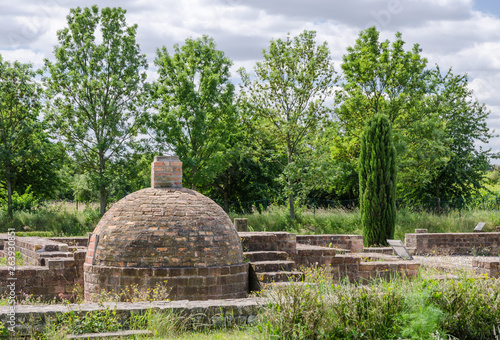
[166, 172]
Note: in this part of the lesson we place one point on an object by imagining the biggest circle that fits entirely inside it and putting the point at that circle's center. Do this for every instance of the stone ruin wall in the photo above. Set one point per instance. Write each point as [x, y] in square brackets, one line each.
[51, 269]
[477, 243]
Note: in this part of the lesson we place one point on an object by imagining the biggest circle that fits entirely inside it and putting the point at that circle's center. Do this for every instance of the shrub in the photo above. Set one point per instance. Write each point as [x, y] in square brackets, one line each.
[377, 181]
[468, 308]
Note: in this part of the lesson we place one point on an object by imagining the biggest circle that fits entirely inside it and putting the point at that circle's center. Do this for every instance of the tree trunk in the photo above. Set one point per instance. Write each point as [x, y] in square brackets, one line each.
[226, 192]
[291, 203]
[291, 200]
[9, 191]
[102, 185]
[438, 199]
[102, 200]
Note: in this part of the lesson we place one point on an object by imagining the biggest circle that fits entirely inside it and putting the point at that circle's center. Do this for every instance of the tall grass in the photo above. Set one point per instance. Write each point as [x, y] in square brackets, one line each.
[57, 222]
[468, 308]
[344, 221]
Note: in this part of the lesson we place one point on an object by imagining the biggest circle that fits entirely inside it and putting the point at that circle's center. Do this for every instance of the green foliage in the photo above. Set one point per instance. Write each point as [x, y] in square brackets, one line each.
[416, 309]
[57, 222]
[465, 118]
[471, 306]
[436, 121]
[4, 332]
[97, 89]
[23, 141]
[19, 261]
[103, 320]
[24, 202]
[377, 181]
[342, 221]
[196, 110]
[287, 100]
[322, 221]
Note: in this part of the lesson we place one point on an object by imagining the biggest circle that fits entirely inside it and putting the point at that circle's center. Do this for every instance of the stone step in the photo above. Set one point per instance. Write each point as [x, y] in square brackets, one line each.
[254, 256]
[282, 276]
[273, 266]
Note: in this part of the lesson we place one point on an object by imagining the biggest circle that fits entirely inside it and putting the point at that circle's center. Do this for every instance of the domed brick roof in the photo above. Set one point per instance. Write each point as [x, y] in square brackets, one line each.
[166, 234]
[166, 227]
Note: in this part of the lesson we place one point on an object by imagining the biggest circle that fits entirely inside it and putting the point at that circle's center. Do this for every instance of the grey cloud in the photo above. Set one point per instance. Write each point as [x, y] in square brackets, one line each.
[360, 13]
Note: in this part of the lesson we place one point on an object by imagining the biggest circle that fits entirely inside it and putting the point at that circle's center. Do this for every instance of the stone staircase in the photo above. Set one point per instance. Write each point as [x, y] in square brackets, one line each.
[271, 257]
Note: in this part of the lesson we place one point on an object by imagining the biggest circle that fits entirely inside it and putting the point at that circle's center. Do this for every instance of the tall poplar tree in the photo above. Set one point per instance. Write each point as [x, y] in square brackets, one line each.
[377, 181]
[97, 86]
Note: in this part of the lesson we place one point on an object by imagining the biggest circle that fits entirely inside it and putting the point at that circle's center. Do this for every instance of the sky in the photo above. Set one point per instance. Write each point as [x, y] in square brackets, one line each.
[462, 34]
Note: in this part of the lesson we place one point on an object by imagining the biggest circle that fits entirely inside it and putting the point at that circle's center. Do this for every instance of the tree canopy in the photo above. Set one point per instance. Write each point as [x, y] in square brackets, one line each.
[287, 98]
[384, 77]
[25, 150]
[97, 89]
[196, 111]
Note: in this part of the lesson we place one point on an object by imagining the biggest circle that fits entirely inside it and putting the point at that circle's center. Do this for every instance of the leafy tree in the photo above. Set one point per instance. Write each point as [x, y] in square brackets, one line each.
[288, 97]
[20, 130]
[250, 180]
[465, 123]
[377, 181]
[97, 85]
[195, 107]
[381, 77]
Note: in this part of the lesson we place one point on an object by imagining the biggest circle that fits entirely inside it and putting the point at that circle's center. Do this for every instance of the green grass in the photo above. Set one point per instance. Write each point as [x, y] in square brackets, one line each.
[52, 221]
[423, 308]
[342, 221]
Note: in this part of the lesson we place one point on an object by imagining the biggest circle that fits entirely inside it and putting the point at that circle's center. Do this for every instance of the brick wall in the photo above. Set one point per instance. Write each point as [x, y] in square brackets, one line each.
[353, 243]
[488, 266]
[454, 243]
[166, 172]
[49, 270]
[189, 283]
[309, 255]
[269, 241]
[57, 279]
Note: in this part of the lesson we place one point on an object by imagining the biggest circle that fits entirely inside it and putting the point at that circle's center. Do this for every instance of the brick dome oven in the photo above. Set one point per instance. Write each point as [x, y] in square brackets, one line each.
[166, 233]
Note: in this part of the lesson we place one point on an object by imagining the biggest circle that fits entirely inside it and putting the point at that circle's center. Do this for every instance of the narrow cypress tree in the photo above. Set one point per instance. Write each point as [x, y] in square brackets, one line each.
[377, 181]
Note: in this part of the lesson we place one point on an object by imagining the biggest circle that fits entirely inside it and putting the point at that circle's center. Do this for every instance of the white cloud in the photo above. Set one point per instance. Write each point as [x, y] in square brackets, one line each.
[450, 32]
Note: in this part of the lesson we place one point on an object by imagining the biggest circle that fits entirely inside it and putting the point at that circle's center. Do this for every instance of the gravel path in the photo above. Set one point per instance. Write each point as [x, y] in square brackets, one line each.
[449, 263]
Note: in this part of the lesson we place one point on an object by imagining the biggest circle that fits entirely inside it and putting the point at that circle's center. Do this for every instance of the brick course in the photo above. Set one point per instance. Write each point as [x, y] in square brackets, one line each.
[353, 243]
[454, 243]
[166, 233]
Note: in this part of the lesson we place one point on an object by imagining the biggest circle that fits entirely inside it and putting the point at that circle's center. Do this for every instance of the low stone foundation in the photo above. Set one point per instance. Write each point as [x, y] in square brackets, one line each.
[51, 271]
[353, 243]
[270, 241]
[308, 255]
[365, 267]
[224, 282]
[488, 266]
[453, 243]
[218, 313]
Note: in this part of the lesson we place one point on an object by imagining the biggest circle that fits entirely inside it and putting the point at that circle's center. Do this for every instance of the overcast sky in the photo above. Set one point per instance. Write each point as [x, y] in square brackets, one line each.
[463, 34]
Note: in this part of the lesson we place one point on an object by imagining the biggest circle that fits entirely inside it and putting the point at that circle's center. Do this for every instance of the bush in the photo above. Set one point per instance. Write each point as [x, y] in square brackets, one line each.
[57, 222]
[418, 309]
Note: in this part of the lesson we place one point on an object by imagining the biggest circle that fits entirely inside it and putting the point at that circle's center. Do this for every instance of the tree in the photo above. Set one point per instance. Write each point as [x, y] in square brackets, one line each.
[377, 181]
[97, 87]
[288, 97]
[465, 123]
[381, 77]
[195, 107]
[20, 130]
